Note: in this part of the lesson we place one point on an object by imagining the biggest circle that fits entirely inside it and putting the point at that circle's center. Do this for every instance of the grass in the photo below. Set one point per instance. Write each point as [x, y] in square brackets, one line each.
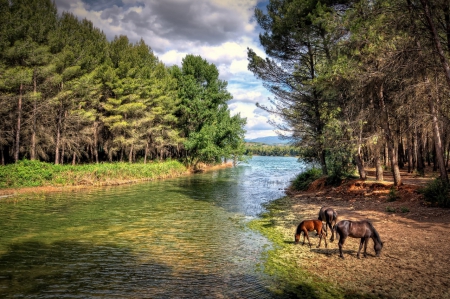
[28, 173]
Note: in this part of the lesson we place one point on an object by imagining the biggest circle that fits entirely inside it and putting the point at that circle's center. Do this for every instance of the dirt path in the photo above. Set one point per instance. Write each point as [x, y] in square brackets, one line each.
[415, 261]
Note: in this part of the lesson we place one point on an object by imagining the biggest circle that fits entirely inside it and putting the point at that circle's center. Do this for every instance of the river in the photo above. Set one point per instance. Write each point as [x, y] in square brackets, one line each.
[176, 238]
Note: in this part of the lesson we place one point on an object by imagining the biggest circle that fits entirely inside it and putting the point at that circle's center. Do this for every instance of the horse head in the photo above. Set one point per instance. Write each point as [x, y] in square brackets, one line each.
[377, 247]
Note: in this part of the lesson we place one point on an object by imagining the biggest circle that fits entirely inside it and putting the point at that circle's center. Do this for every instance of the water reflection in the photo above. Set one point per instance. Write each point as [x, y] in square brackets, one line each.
[180, 238]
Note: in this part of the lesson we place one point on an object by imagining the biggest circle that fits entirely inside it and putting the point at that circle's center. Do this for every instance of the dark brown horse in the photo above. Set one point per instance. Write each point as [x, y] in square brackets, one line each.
[330, 217]
[358, 229]
[308, 226]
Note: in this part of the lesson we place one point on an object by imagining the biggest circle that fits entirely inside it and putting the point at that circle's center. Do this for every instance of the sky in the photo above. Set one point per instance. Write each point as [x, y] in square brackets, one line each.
[220, 31]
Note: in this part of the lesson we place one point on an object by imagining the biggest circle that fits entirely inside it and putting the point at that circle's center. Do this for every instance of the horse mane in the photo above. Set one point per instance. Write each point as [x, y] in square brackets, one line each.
[298, 231]
[376, 235]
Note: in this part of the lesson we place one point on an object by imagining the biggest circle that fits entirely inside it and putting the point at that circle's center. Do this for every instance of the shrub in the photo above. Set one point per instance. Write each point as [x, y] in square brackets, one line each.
[438, 192]
[390, 209]
[393, 195]
[304, 179]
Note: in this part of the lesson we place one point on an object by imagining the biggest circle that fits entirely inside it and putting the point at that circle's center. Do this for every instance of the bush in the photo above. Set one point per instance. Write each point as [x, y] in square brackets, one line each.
[393, 195]
[304, 179]
[438, 192]
[390, 209]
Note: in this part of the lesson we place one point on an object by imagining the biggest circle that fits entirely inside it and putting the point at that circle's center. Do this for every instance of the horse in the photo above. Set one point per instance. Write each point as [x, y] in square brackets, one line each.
[358, 229]
[307, 226]
[329, 216]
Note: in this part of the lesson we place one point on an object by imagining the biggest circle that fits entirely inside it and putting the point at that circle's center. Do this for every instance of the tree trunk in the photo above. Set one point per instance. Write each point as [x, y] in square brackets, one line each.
[2, 155]
[386, 155]
[74, 158]
[323, 162]
[410, 153]
[58, 136]
[420, 150]
[437, 141]
[378, 168]
[389, 140]
[360, 165]
[95, 146]
[62, 154]
[401, 154]
[146, 153]
[19, 118]
[130, 155]
[34, 116]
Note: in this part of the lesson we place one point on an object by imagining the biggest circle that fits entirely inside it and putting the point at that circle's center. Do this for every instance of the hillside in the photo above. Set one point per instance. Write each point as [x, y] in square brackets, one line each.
[268, 140]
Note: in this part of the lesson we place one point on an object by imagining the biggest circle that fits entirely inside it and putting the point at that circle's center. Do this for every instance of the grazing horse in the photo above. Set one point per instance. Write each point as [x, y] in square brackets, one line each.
[329, 216]
[358, 229]
[308, 226]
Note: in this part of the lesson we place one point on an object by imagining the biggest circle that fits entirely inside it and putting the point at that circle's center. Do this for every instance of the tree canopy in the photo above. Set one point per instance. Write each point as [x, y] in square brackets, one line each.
[69, 95]
[359, 82]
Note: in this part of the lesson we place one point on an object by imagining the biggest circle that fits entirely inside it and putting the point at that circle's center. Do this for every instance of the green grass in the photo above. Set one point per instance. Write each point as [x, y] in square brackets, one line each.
[27, 173]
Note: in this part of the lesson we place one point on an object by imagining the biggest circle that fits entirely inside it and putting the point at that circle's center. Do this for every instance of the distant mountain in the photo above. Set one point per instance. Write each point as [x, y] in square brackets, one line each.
[268, 140]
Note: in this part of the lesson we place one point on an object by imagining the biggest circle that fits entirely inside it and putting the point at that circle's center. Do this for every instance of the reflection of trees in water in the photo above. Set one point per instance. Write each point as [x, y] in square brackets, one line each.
[63, 269]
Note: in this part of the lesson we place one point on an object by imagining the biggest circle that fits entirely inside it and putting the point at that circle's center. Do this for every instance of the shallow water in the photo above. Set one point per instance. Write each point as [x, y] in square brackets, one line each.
[177, 238]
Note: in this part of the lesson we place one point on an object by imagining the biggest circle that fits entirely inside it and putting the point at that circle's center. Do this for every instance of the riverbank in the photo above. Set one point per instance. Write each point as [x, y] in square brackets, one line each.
[414, 261]
[28, 177]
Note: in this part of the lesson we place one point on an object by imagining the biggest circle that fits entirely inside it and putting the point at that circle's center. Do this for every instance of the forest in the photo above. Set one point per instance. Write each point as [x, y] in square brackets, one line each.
[359, 83]
[261, 149]
[70, 96]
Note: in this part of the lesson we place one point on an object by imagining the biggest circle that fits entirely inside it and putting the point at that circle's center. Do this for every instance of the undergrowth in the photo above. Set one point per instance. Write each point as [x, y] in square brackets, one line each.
[304, 179]
[26, 173]
[437, 192]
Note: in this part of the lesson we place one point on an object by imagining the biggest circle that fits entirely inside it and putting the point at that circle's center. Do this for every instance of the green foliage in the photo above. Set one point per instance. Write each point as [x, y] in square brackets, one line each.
[393, 195]
[404, 210]
[204, 118]
[84, 99]
[304, 179]
[390, 209]
[271, 150]
[27, 173]
[437, 192]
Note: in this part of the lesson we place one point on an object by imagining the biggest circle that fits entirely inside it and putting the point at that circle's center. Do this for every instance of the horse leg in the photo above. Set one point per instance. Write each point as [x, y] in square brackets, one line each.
[329, 224]
[363, 240]
[341, 244]
[365, 246]
[324, 238]
[307, 236]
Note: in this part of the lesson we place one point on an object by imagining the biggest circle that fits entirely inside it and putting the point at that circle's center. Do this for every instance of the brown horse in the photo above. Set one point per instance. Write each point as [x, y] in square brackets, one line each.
[308, 226]
[330, 217]
[358, 229]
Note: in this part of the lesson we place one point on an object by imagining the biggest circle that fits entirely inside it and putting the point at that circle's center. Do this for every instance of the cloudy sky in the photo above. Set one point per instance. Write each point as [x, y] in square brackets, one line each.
[218, 30]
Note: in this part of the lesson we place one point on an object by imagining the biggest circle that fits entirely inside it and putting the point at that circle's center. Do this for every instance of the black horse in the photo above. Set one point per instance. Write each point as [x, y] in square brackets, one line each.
[358, 229]
[329, 216]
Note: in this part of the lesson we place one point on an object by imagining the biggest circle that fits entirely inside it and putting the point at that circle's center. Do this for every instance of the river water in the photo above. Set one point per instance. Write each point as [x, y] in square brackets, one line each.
[177, 238]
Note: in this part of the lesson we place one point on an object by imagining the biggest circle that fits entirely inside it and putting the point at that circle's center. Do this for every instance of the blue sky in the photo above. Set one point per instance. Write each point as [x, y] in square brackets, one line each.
[218, 30]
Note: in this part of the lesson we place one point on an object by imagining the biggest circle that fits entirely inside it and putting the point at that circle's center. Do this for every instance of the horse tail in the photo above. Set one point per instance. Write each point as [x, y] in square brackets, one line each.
[335, 216]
